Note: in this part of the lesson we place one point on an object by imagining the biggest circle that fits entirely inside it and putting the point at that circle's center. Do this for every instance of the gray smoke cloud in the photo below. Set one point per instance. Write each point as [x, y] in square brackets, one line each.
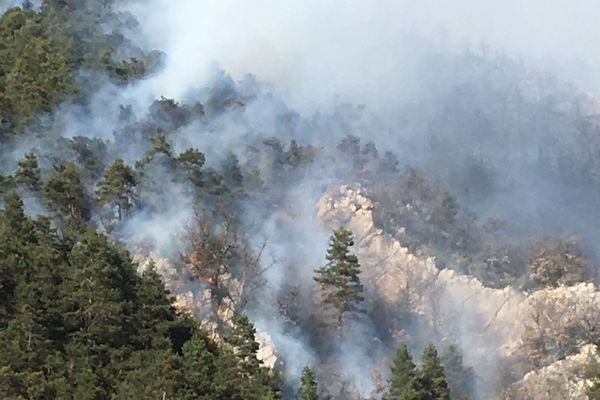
[353, 67]
[352, 49]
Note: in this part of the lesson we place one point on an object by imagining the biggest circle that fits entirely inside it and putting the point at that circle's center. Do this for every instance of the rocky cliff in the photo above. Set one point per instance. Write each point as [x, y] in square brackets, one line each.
[533, 335]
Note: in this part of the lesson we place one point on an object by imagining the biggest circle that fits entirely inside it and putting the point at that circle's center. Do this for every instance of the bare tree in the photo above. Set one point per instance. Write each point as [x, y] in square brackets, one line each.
[220, 256]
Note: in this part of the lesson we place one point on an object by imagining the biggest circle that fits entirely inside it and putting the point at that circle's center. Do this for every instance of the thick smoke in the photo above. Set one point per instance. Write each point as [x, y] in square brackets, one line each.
[318, 50]
[412, 78]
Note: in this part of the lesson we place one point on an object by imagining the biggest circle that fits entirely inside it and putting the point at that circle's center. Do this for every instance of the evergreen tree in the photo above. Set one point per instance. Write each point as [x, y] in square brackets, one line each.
[239, 373]
[244, 343]
[198, 369]
[308, 385]
[64, 193]
[117, 188]
[99, 293]
[592, 374]
[403, 382]
[28, 173]
[35, 74]
[339, 278]
[17, 232]
[160, 146]
[149, 374]
[432, 376]
[190, 163]
[155, 313]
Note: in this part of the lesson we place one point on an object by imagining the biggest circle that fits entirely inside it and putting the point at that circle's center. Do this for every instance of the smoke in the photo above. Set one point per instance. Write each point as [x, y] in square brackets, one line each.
[317, 51]
[435, 82]
[6, 4]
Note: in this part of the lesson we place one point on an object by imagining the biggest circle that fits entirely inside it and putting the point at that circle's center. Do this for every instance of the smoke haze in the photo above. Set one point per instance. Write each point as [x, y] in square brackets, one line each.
[476, 93]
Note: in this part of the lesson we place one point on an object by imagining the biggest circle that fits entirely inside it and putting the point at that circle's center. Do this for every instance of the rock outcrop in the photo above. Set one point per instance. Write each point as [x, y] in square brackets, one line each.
[491, 326]
[564, 379]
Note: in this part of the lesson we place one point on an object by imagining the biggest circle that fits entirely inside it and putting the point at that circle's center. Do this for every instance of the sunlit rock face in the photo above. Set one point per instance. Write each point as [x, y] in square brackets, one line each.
[493, 327]
[542, 338]
[267, 352]
[564, 379]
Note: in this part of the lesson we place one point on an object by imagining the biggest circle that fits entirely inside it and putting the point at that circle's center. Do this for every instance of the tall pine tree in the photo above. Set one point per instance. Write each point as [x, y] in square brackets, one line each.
[339, 278]
[432, 376]
[403, 383]
[308, 385]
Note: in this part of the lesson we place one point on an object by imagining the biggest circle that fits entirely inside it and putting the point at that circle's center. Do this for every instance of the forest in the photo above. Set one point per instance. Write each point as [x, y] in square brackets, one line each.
[226, 245]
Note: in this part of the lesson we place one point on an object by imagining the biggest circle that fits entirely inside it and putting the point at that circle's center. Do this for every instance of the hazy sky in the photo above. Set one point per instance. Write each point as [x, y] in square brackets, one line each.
[355, 47]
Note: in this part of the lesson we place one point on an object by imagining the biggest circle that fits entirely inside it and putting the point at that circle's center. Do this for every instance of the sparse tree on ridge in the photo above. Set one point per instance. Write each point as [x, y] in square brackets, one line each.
[339, 278]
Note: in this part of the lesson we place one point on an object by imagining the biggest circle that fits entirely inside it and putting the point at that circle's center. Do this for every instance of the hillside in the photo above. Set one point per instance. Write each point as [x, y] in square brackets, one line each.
[232, 242]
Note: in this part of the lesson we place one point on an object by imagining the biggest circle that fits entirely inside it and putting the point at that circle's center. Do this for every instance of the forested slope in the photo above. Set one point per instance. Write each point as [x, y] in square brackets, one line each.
[216, 194]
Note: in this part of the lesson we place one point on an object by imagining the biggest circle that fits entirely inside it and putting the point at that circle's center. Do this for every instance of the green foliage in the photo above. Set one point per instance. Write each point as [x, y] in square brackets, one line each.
[28, 174]
[593, 390]
[432, 376]
[406, 382]
[403, 383]
[308, 385]
[339, 278]
[239, 373]
[38, 80]
[191, 162]
[592, 376]
[42, 51]
[117, 188]
[35, 73]
[65, 194]
[198, 366]
[77, 321]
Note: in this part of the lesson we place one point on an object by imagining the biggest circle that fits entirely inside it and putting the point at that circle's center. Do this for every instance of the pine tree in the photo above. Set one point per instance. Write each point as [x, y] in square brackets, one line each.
[154, 311]
[117, 188]
[308, 385]
[339, 278]
[243, 340]
[403, 383]
[190, 163]
[39, 79]
[160, 146]
[239, 373]
[28, 173]
[432, 376]
[99, 293]
[17, 232]
[65, 193]
[148, 375]
[198, 369]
